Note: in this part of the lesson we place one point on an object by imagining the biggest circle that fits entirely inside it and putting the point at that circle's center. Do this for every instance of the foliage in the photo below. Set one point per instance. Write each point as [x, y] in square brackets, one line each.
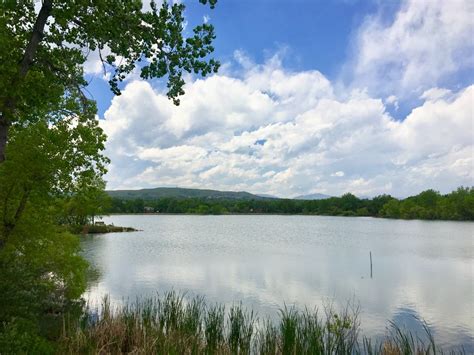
[457, 205]
[53, 172]
[19, 337]
[430, 204]
[42, 275]
[47, 163]
[42, 57]
[82, 207]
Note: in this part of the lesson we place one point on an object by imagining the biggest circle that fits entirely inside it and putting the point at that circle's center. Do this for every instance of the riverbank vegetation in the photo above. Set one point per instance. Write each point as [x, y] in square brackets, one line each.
[172, 324]
[430, 204]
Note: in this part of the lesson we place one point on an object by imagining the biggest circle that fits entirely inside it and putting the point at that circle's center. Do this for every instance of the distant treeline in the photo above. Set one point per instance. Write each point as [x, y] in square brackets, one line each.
[430, 204]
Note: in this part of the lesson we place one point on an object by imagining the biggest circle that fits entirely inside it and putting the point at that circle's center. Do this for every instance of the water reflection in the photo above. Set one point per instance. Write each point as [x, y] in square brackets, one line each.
[420, 268]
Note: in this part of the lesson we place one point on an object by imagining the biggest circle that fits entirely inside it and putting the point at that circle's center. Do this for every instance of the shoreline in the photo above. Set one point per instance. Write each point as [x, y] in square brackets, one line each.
[105, 228]
[280, 214]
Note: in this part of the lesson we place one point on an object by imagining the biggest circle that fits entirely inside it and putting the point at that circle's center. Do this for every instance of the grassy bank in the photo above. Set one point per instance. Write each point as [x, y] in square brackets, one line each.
[172, 324]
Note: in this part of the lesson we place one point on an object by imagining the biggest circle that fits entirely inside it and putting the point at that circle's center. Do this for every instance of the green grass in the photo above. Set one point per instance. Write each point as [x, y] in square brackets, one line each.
[173, 324]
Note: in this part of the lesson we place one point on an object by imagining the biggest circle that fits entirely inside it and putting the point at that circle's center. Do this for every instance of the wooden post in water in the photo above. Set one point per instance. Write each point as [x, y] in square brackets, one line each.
[370, 253]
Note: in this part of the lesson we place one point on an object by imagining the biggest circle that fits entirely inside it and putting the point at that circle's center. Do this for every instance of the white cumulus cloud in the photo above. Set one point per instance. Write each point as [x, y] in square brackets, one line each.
[425, 43]
[267, 129]
[251, 133]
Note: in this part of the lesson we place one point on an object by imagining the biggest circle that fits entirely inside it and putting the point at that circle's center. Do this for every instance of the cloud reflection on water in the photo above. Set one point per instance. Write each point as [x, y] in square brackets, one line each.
[420, 268]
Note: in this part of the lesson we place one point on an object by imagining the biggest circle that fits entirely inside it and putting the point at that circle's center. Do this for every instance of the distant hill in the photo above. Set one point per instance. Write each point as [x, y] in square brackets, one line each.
[312, 197]
[183, 193]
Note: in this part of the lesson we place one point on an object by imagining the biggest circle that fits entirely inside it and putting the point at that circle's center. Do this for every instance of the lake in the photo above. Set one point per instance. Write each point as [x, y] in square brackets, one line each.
[420, 268]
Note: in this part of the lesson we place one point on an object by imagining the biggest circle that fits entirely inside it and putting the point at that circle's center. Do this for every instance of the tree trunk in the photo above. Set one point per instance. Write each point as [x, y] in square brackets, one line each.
[3, 138]
[36, 37]
[9, 226]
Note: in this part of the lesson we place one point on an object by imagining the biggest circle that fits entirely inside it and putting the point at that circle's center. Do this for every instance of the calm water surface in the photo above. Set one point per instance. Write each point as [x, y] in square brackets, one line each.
[420, 269]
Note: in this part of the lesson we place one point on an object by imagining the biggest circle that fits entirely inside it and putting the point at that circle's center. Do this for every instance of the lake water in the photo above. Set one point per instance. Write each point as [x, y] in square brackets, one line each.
[421, 269]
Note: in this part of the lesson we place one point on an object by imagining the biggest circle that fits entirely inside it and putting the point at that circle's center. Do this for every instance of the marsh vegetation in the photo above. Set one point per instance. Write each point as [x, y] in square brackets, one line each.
[174, 324]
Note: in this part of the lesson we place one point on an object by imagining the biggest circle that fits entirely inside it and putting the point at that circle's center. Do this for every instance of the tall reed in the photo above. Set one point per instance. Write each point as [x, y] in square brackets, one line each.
[173, 324]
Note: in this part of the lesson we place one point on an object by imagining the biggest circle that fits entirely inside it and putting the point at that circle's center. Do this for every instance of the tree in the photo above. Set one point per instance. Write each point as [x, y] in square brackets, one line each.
[89, 201]
[458, 204]
[54, 151]
[349, 202]
[42, 57]
[41, 272]
[376, 204]
[46, 163]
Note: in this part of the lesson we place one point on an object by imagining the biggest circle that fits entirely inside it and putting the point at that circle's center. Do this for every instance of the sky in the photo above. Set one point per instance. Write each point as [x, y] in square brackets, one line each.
[370, 97]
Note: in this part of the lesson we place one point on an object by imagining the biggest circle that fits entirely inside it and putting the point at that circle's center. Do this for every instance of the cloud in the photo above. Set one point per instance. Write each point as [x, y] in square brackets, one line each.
[435, 93]
[392, 100]
[423, 46]
[93, 65]
[264, 128]
[271, 130]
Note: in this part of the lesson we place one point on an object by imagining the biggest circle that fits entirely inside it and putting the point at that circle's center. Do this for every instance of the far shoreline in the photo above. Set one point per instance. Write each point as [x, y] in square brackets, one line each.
[279, 214]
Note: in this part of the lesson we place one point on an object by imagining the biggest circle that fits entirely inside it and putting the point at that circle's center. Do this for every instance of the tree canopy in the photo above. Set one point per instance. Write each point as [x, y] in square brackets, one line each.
[43, 53]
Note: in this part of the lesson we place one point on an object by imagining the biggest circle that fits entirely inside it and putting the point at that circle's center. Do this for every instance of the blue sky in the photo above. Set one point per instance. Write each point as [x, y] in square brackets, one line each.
[315, 33]
[365, 90]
